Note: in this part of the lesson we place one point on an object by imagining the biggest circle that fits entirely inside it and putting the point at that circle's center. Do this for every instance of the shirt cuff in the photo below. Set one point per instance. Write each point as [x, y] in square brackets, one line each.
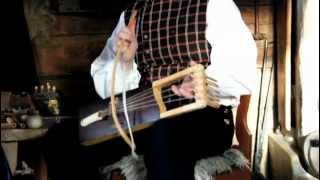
[128, 80]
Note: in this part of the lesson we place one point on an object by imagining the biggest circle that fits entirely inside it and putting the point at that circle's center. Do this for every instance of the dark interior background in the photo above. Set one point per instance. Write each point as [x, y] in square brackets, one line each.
[17, 60]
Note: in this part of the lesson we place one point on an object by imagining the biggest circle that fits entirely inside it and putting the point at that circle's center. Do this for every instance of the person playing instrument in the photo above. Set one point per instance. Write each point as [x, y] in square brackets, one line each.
[169, 36]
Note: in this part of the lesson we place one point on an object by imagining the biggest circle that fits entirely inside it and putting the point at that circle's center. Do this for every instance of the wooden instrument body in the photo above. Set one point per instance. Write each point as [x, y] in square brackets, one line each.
[105, 130]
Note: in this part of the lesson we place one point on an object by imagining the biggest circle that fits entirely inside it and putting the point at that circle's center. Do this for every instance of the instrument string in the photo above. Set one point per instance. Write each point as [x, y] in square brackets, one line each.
[144, 98]
[149, 92]
[135, 99]
[145, 101]
[151, 101]
[142, 107]
[143, 94]
[140, 94]
[210, 81]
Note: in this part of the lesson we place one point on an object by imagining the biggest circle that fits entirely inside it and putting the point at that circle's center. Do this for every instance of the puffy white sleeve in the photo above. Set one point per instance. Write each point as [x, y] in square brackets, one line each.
[234, 52]
[101, 68]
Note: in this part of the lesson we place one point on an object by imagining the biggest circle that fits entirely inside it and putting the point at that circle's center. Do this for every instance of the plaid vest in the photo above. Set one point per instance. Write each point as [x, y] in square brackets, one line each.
[170, 34]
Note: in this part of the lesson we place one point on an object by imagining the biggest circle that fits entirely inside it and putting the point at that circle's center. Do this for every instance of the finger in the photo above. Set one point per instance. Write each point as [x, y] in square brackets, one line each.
[187, 79]
[121, 45]
[186, 93]
[134, 43]
[175, 90]
[192, 63]
[127, 30]
[187, 88]
[125, 36]
[131, 34]
[188, 84]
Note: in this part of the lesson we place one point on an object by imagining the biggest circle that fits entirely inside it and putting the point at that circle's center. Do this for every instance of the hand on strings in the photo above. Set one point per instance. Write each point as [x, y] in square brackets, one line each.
[127, 45]
[186, 88]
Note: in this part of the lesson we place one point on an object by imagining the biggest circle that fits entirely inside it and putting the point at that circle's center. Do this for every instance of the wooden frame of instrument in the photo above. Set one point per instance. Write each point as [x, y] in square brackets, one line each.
[198, 74]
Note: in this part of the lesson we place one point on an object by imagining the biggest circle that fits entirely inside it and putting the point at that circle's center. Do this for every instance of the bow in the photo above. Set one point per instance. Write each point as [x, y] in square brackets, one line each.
[123, 134]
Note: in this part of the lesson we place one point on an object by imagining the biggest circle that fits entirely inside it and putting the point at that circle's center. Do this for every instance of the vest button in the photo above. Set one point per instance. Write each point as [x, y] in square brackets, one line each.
[145, 36]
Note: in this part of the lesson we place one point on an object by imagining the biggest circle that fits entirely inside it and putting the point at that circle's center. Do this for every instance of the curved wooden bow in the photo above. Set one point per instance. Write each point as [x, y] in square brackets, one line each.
[123, 134]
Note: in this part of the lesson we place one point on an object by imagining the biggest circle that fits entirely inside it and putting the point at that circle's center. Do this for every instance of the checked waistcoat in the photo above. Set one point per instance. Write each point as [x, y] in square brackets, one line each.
[170, 34]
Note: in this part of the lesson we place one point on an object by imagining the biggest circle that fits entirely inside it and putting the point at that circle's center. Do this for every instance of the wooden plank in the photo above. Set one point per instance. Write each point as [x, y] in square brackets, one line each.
[265, 14]
[261, 54]
[10, 135]
[252, 2]
[82, 25]
[68, 55]
[267, 29]
[263, 23]
[11, 153]
[284, 12]
[248, 14]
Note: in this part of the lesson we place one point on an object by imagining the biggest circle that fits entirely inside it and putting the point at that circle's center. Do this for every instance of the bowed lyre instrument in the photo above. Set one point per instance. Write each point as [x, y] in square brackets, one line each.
[146, 106]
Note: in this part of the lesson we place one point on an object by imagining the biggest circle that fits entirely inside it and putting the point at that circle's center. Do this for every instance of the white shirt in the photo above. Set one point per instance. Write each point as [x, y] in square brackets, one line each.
[233, 57]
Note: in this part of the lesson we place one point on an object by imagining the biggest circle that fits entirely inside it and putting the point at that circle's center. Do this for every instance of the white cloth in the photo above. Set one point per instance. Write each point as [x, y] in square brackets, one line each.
[233, 56]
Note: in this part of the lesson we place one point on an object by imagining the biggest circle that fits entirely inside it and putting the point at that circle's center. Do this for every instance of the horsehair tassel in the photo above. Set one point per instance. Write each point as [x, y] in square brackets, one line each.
[121, 131]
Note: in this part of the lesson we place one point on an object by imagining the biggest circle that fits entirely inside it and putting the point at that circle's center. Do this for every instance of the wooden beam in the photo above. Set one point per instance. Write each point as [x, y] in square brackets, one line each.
[284, 31]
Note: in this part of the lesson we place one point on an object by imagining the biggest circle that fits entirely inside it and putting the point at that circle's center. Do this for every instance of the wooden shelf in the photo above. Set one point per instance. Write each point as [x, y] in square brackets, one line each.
[12, 135]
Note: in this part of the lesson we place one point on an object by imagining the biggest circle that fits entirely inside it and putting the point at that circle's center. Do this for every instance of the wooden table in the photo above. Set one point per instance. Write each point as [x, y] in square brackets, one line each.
[10, 139]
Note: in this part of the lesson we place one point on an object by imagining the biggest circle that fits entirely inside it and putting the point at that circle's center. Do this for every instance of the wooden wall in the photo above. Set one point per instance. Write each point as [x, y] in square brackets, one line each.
[259, 16]
[65, 46]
